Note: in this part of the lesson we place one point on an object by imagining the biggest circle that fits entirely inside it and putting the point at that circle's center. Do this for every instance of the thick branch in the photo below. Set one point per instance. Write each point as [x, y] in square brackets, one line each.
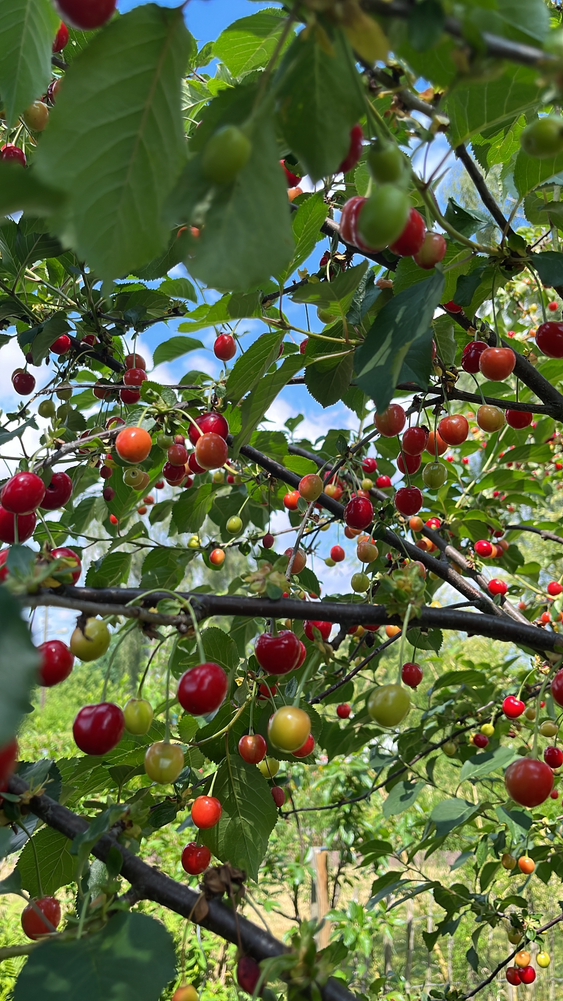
[349, 613]
[483, 191]
[150, 884]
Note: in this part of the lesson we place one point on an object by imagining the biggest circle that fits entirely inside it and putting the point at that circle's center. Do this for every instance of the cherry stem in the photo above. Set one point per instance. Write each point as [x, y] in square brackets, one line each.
[403, 638]
[149, 662]
[197, 632]
[167, 715]
[305, 677]
[537, 720]
[83, 911]
[125, 632]
[252, 700]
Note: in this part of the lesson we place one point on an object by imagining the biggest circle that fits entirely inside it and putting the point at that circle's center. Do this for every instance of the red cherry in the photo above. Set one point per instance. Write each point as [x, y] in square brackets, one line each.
[61, 38]
[278, 796]
[225, 347]
[433, 251]
[248, 973]
[518, 419]
[527, 975]
[412, 237]
[291, 500]
[206, 812]
[86, 14]
[303, 346]
[452, 307]
[8, 758]
[471, 355]
[553, 756]
[480, 740]
[307, 749]
[268, 540]
[135, 361]
[72, 560]
[497, 586]
[173, 474]
[549, 338]
[177, 456]
[25, 526]
[409, 463]
[352, 158]
[252, 748]
[34, 926]
[202, 690]
[484, 548]
[23, 382]
[383, 482]
[408, 500]
[513, 976]
[302, 655]
[344, 711]
[211, 451]
[412, 674]
[358, 513]
[513, 707]
[496, 364]
[369, 465]
[415, 440]
[206, 423]
[10, 152]
[23, 493]
[392, 421]
[62, 345]
[195, 858]
[57, 493]
[337, 554]
[292, 179]
[98, 729]
[454, 429]
[351, 212]
[528, 781]
[134, 377]
[434, 523]
[554, 794]
[57, 662]
[325, 629]
[557, 688]
[554, 588]
[278, 654]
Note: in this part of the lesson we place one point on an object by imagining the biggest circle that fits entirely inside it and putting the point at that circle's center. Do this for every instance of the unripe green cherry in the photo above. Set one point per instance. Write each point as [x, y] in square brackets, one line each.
[134, 478]
[434, 475]
[234, 525]
[543, 138]
[194, 542]
[46, 408]
[225, 154]
[138, 715]
[325, 316]
[389, 704]
[384, 216]
[386, 162]
[359, 582]
[64, 391]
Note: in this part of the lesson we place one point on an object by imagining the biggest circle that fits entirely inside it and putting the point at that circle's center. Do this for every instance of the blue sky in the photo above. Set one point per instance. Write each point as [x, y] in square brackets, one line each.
[206, 19]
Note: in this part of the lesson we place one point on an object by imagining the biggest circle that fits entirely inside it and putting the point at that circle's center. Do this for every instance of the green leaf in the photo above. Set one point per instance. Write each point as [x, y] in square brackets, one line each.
[192, 507]
[178, 288]
[488, 105]
[487, 874]
[249, 43]
[452, 813]
[109, 571]
[249, 369]
[27, 30]
[445, 339]
[107, 162]
[15, 685]
[220, 648]
[417, 365]
[337, 295]
[549, 266]
[529, 172]
[163, 568]
[466, 223]
[401, 798]
[132, 957]
[56, 864]
[307, 223]
[328, 380]
[384, 887]
[483, 764]
[518, 822]
[401, 322]
[260, 399]
[247, 236]
[249, 816]
[174, 348]
[426, 24]
[319, 100]
[20, 190]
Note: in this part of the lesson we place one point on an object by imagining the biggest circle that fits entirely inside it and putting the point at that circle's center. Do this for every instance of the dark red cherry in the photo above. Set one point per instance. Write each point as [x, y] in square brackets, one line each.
[57, 662]
[203, 689]
[278, 654]
[98, 729]
[57, 493]
[23, 493]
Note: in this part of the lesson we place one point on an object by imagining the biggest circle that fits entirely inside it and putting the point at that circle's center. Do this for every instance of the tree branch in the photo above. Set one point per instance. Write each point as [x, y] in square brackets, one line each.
[483, 191]
[151, 884]
[349, 613]
[543, 533]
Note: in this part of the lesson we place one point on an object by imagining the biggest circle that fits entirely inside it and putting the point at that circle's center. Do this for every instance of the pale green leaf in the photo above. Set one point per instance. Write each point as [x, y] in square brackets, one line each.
[115, 141]
[249, 43]
[20, 190]
[489, 105]
[15, 686]
[249, 369]
[261, 398]
[174, 348]
[56, 864]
